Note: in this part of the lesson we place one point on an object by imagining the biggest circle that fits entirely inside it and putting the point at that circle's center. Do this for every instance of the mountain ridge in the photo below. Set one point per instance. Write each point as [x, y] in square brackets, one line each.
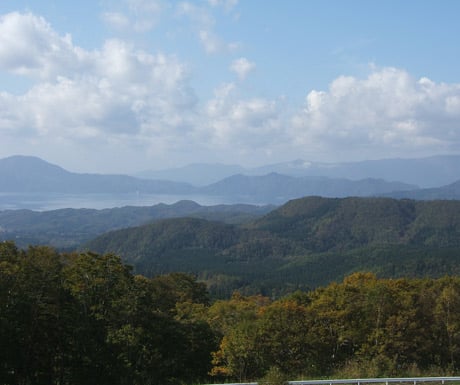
[67, 228]
[279, 188]
[29, 175]
[427, 172]
[450, 192]
[309, 241]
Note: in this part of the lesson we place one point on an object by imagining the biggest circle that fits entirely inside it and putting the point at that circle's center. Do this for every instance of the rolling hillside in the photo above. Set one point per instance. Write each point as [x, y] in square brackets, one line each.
[304, 243]
[69, 228]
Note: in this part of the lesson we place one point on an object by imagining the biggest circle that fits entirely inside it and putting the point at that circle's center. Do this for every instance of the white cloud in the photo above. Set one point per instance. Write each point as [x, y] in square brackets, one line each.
[228, 5]
[212, 44]
[198, 15]
[29, 46]
[152, 7]
[102, 95]
[137, 15]
[203, 24]
[116, 20]
[243, 124]
[242, 67]
[127, 99]
[387, 110]
[210, 41]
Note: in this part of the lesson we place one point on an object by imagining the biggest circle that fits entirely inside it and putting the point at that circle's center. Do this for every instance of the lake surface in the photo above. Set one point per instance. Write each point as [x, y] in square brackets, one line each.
[53, 201]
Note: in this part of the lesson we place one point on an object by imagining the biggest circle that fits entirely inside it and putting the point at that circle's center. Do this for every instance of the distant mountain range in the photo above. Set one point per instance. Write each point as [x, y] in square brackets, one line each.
[451, 191]
[197, 174]
[278, 189]
[22, 174]
[30, 174]
[424, 172]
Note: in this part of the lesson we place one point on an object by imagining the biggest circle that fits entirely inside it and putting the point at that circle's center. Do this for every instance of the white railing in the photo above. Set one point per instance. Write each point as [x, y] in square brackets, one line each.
[360, 381]
[386, 381]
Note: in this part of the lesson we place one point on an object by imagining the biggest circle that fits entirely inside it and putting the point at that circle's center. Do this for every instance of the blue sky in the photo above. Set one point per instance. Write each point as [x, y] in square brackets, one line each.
[128, 85]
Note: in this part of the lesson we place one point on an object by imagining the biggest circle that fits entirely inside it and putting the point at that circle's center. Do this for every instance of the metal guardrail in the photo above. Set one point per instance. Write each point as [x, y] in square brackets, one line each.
[386, 381]
[360, 381]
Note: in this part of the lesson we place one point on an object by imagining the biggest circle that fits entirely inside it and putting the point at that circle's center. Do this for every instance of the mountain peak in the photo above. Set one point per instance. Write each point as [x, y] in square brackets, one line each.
[30, 164]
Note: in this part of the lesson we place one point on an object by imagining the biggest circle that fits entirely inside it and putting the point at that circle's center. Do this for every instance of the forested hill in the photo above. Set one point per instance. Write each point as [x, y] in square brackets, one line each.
[69, 228]
[84, 319]
[321, 224]
[304, 243]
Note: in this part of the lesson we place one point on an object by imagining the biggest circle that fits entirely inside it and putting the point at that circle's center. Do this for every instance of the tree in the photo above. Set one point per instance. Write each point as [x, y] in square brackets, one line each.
[101, 286]
[33, 327]
[234, 321]
[447, 316]
[284, 339]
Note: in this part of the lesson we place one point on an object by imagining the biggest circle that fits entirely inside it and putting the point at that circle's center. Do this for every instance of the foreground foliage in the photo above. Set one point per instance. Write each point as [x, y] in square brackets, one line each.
[84, 318]
[363, 327]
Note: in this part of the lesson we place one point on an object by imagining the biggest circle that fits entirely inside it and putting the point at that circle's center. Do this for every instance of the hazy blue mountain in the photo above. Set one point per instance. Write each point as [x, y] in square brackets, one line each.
[425, 172]
[31, 174]
[276, 188]
[451, 191]
[20, 174]
[197, 174]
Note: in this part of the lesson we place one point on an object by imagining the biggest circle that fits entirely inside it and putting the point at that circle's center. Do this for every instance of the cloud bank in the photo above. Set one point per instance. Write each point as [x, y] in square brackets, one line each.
[389, 109]
[129, 102]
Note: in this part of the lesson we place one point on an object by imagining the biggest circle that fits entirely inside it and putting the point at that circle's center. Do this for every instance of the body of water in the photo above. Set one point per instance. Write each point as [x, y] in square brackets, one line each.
[54, 201]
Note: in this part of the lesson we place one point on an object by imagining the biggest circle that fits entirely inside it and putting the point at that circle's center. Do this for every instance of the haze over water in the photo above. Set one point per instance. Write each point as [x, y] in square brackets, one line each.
[45, 202]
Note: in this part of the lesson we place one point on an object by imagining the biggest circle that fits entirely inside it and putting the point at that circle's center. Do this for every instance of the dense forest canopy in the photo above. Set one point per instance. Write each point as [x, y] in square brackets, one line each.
[84, 318]
[303, 244]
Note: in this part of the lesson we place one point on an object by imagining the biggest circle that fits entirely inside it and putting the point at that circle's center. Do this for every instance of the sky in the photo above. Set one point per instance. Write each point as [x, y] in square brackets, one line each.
[120, 86]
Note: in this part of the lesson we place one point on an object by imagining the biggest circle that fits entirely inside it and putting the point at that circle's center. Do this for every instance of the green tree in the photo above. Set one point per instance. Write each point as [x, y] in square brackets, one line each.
[101, 286]
[171, 341]
[447, 315]
[10, 323]
[34, 331]
[234, 320]
[284, 339]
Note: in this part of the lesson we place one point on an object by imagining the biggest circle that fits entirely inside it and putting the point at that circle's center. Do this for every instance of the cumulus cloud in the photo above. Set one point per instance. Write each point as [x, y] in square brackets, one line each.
[242, 67]
[389, 109]
[29, 46]
[125, 97]
[103, 94]
[241, 123]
